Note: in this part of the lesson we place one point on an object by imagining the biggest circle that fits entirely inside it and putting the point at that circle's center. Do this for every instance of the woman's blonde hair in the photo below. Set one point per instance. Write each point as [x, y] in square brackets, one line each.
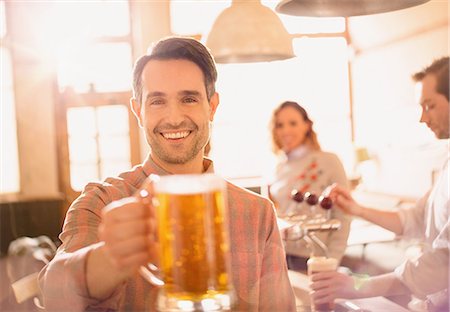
[310, 138]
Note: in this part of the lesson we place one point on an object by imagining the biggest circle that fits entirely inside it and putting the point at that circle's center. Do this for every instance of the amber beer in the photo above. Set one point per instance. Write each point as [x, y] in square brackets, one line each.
[194, 242]
[321, 264]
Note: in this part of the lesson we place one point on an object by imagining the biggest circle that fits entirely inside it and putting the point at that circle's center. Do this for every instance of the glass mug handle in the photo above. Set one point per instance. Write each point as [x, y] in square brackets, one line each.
[149, 271]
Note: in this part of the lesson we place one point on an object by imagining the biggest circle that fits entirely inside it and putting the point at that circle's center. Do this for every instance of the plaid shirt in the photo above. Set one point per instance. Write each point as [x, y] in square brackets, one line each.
[259, 270]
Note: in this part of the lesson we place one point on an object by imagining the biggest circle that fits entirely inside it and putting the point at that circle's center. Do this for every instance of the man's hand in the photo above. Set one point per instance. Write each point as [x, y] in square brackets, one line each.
[327, 286]
[128, 229]
[128, 235]
[342, 198]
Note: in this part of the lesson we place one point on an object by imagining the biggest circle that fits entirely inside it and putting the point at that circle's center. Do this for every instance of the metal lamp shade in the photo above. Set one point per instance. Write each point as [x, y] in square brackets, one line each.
[345, 8]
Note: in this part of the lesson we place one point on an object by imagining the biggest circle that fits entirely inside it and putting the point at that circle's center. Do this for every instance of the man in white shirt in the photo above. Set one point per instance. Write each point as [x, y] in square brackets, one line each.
[426, 277]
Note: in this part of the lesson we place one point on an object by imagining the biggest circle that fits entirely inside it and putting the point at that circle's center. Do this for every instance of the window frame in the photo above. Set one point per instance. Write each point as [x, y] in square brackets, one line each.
[68, 98]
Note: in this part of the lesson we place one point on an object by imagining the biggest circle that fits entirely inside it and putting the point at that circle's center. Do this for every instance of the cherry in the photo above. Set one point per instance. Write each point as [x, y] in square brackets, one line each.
[311, 198]
[297, 196]
[325, 202]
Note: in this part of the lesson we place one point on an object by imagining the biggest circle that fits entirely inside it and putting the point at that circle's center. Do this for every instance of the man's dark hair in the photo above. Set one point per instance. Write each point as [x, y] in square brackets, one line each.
[178, 48]
[439, 68]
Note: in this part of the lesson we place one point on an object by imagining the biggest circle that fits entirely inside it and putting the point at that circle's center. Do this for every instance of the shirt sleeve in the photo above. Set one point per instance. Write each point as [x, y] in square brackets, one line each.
[63, 284]
[412, 219]
[276, 293]
[427, 274]
[63, 281]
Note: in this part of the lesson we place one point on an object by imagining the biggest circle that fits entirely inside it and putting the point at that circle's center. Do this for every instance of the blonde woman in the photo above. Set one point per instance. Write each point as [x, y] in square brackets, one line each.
[304, 167]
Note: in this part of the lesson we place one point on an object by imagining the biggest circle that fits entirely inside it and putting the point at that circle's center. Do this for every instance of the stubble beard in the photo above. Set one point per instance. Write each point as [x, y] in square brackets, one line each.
[181, 154]
[441, 134]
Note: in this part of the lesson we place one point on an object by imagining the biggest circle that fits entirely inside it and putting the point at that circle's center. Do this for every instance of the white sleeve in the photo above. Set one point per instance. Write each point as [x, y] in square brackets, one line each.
[427, 274]
[413, 219]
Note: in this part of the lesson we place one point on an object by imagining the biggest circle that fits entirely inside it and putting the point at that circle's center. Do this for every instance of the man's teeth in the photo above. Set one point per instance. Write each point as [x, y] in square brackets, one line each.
[176, 135]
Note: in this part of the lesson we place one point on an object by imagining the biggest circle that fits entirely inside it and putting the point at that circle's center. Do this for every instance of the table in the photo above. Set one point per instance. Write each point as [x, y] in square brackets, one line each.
[374, 304]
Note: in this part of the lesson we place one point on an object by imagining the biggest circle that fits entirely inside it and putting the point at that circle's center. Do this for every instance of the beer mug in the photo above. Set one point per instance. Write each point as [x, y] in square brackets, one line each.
[321, 264]
[194, 268]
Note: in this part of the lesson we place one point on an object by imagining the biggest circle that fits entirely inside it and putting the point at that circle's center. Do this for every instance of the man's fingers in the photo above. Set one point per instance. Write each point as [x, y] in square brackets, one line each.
[322, 297]
[146, 191]
[325, 290]
[320, 285]
[154, 254]
[133, 261]
[337, 191]
[152, 225]
[130, 246]
[326, 286]
[129, 229]
[322, 275]
[343, 200]
[125, 209]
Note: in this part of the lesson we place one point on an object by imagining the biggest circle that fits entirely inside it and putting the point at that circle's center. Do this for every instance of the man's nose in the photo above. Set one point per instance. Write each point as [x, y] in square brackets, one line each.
[423, 116]
[175, 114]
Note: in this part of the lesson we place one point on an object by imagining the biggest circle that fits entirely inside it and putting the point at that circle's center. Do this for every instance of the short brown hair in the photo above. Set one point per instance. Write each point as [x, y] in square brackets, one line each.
[439, 68]
[311, 137]
[178, 48]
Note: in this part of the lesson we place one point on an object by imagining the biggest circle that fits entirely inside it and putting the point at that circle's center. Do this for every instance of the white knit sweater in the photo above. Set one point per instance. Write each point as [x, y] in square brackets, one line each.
[313, 171]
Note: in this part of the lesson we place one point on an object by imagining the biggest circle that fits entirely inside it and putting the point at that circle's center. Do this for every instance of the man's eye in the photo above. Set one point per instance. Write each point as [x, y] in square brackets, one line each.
[156, 102]
[428, 107]
[189, 100]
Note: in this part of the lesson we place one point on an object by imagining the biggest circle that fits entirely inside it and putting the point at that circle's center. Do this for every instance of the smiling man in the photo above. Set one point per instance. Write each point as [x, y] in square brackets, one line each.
[176, 112]
[108, 232]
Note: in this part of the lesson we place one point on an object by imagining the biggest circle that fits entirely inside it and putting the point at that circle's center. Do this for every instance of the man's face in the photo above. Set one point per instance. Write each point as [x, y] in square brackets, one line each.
[175, 111]
[435, 108]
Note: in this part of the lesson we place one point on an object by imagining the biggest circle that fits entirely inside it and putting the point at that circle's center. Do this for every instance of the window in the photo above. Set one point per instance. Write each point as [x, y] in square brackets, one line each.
[94, 64]
[9, 169]
[101, 147]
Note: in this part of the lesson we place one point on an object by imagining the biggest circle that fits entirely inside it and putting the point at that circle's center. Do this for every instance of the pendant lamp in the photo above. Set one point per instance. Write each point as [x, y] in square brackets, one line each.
[345, 8]
[248, 31]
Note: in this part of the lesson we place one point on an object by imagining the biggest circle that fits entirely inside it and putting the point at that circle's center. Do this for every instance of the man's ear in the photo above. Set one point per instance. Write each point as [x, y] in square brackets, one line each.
[136, 108]
[213, 103]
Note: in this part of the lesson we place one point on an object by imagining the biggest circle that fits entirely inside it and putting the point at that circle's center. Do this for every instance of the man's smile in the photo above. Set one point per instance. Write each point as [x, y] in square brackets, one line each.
[176, 135]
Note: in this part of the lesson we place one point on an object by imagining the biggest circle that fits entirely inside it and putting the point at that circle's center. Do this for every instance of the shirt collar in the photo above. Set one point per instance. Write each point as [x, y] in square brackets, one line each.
[297, 152]
[150, 167]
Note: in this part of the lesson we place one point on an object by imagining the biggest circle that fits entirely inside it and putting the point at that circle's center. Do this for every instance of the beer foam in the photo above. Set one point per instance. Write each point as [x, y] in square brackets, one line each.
[316, 264]
[189, 183]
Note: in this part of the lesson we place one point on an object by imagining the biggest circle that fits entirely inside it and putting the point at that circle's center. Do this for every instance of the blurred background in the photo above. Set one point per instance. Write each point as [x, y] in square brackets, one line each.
[66, 83]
